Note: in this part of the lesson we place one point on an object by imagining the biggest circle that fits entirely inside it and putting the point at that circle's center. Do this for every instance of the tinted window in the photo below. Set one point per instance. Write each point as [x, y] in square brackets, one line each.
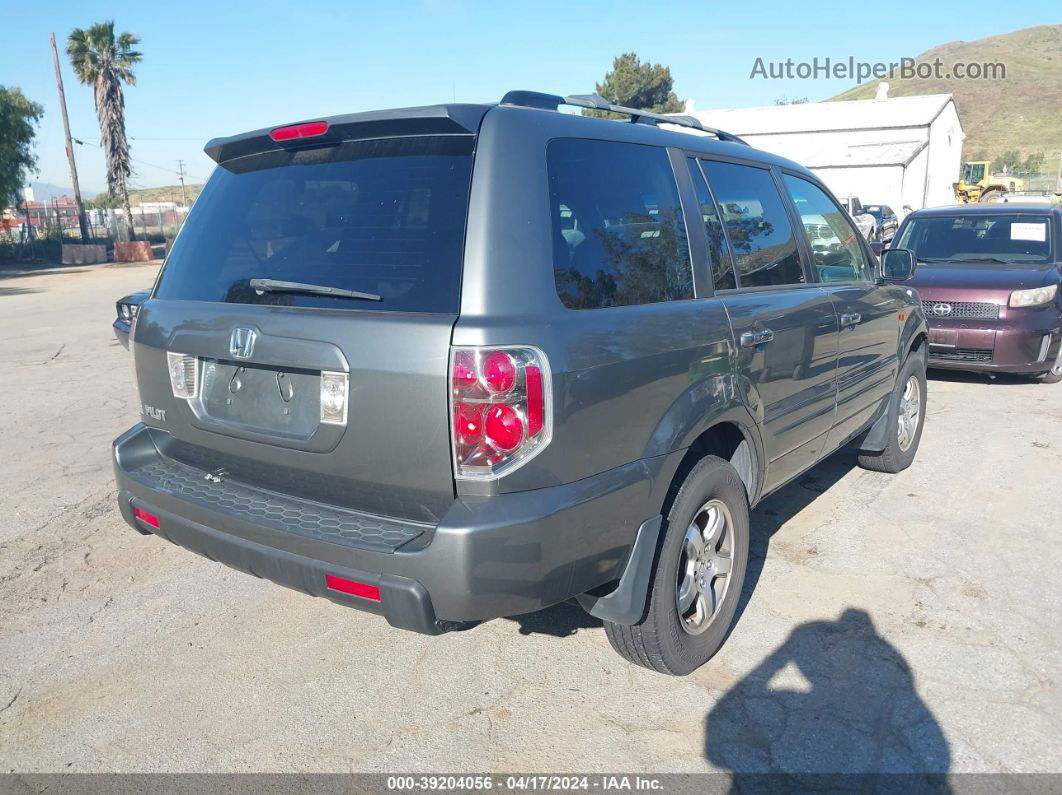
[761, 236]
[618, 233]
[384, 217]
[834, 241]
[968, 238]
[718, 252]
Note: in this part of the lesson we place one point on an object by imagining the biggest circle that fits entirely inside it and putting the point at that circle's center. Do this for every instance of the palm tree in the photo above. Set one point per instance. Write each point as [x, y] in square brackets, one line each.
[104, 62]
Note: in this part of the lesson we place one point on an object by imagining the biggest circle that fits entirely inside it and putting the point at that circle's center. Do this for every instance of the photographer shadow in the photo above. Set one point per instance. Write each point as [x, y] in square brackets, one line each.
[834, 707]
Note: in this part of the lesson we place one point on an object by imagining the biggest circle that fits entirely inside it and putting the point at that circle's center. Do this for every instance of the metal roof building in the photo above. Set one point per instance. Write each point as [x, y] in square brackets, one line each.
[905, 152]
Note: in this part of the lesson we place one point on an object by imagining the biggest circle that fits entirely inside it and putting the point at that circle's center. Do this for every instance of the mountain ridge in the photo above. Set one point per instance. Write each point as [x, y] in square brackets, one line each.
[1021, 112]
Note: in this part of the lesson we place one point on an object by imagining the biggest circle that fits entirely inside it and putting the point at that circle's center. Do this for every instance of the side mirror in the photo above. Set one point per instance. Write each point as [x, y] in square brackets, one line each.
[876, 246]
[897, 264]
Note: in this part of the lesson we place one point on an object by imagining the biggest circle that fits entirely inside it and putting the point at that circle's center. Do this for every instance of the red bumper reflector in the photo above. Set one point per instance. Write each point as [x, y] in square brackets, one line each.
[310, 129]
[146, 518]
[362, 589]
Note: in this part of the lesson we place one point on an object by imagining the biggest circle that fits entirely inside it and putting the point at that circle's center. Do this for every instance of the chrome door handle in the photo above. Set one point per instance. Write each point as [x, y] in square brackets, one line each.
[750, 339]
[850, 319]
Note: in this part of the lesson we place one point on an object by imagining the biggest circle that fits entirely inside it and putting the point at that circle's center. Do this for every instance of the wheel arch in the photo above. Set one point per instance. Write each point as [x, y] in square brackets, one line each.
[732, 440]
[918, 344]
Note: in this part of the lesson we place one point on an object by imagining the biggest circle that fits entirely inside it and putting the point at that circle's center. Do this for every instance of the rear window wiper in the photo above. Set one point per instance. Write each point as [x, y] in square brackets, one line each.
[277, 286]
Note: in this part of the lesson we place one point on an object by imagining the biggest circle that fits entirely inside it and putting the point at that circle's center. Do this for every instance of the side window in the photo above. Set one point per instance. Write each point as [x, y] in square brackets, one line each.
[718, 253]
[765, 250]
[833, 239]
[618, 233]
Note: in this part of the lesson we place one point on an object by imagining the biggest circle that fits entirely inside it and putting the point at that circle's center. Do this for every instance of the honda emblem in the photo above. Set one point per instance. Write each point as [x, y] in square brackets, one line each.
[241, 344]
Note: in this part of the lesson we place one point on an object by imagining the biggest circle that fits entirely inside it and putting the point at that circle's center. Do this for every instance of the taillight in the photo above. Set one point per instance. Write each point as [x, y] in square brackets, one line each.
[310, 129]
[334, 388]
[500, 409]
[184, 375]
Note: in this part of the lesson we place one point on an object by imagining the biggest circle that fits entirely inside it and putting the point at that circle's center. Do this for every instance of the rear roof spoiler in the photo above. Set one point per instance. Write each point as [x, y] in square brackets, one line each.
[534, 99]
[430, 120]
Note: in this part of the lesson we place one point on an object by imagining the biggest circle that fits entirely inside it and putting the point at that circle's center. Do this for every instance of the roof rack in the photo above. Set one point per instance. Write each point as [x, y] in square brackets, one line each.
[535, 99]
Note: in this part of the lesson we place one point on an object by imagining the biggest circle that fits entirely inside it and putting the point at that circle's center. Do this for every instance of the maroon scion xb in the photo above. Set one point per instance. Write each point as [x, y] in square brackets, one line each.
[988, 276]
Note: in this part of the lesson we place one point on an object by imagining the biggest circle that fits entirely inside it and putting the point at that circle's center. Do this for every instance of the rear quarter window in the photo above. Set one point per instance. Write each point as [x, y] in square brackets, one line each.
[619, 237]
[385, 217]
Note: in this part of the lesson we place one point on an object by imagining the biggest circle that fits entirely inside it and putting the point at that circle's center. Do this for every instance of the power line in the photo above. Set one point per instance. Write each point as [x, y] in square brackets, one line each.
[145, 162]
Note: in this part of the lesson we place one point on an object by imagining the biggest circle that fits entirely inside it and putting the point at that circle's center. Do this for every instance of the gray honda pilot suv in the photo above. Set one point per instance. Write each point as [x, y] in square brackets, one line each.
[452, 363]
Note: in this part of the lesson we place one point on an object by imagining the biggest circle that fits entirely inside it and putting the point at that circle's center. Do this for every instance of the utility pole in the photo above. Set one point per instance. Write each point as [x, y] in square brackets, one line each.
[184, 198]
[69, 145]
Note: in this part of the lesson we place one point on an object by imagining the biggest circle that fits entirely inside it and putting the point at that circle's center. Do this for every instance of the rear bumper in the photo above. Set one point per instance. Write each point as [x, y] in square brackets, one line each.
[1028, 344]
[488, 557]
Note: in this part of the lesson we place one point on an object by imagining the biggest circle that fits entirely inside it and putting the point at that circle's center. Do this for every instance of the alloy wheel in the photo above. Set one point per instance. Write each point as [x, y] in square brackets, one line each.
[909, 414]
[704, 566]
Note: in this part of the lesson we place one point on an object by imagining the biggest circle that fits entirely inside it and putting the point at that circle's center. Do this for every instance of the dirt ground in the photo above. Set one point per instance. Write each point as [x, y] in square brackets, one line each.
[903, 622]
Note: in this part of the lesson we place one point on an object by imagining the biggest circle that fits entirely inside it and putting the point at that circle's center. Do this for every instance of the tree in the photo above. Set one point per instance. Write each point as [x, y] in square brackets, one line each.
[1034, 163]
[18, 119]
[638, 85]
[104, 62]
[1007, 162]
[1011, 162]
[105, 200]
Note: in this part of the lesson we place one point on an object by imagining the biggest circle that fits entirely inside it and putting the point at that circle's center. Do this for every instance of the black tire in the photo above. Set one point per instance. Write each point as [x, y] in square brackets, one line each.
[1050, 377]
[660, 641]
[894, 458]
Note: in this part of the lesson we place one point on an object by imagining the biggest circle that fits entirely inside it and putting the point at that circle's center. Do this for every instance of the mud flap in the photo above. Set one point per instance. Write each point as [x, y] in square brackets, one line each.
[626, 603]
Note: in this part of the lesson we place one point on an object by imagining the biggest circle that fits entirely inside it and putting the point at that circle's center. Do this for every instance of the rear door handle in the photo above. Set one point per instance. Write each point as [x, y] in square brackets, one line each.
[750, 339]
[850, 319]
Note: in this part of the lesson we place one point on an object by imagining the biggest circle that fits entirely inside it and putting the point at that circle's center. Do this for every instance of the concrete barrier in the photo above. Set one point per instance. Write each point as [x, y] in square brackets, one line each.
[84, 253]
[133, 251]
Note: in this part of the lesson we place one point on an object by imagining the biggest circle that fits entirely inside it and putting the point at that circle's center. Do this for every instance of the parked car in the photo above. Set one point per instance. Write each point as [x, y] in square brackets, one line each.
[863, 222]
[125, 314]
[1029, 197]
[989, 280]
[445, 394]
[885, 221]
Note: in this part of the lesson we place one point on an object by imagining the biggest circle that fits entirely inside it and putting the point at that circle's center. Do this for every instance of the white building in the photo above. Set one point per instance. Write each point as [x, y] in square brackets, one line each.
[905, 152]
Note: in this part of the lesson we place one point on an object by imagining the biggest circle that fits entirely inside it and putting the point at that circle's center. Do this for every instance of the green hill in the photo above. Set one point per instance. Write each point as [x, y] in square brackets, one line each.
[166, 193]
[1022, 112]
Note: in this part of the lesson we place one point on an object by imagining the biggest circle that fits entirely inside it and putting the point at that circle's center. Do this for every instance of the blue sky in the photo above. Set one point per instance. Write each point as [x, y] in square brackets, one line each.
[217, 68]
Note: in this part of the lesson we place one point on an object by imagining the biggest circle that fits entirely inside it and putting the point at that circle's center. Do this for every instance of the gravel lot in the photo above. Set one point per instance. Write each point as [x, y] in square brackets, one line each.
[903, 622]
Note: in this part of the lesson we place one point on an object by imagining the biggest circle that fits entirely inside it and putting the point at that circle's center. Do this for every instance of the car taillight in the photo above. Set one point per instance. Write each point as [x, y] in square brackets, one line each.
[334, 388]
[500, 409]
[293, 132]
[184, 375]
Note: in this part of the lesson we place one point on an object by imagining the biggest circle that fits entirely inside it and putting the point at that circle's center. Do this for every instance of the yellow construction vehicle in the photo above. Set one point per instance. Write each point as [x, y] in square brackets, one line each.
[978, 184]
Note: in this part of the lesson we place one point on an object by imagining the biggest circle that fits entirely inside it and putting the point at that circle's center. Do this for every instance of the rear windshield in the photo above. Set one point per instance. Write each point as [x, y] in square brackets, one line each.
[384, 217]
[972, 238]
